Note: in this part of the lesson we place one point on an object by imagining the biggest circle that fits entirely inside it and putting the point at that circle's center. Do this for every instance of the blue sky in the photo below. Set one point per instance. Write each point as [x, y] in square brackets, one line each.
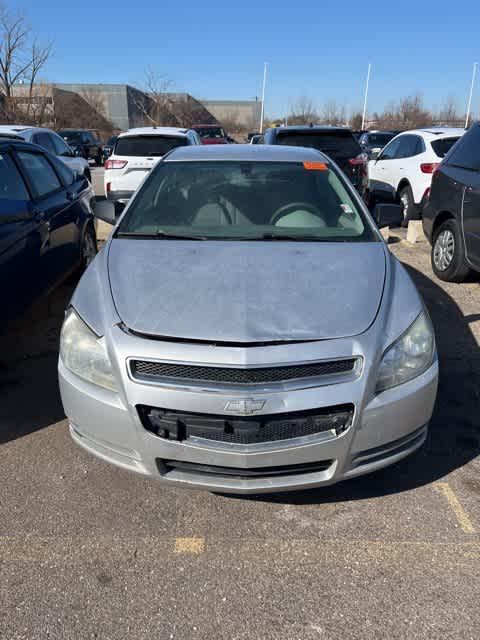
[216, 49]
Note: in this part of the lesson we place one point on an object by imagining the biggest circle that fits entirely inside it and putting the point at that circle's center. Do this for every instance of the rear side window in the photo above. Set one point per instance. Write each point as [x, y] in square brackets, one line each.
[148, 146]
[466, 154]
[12, 186]
[45, 141]
[40, 172]
[65, 173]
[341, 144]
[442, 147]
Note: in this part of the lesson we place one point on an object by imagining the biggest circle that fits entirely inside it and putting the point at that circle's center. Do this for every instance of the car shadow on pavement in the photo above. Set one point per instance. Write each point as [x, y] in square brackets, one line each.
[30, 398]
[454, 434]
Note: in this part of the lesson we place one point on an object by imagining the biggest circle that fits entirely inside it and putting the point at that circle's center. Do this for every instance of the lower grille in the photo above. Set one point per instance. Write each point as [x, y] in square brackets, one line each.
[176, 425]
[166, 466]
[144, 369]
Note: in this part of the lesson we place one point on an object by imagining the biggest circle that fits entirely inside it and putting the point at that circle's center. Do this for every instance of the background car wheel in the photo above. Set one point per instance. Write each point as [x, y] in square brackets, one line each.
[408, 205]
[89, 247]
[448, 253]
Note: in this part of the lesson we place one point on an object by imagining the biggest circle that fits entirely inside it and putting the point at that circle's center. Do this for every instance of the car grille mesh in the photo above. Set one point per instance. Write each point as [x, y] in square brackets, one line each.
[232, 375]
[177, 425]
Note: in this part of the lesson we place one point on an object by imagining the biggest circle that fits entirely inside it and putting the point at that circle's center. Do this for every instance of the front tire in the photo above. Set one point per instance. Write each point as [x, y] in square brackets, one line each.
[448, 253]
[88, 249]
[408, 204]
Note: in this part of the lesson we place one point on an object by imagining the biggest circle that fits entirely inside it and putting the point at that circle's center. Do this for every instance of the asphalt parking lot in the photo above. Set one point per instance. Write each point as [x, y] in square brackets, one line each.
[90, 551]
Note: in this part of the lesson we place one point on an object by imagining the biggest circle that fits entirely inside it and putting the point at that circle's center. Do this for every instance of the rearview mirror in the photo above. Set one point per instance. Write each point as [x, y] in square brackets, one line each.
[104, 210]
[388, 215]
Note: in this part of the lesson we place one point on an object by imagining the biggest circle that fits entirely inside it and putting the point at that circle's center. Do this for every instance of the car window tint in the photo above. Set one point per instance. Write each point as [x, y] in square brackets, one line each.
[40, 172]
[12, 186]
[61, 147]
[390, 150]
[407, 147]
[339, 144]
[44, 140]
[466, 153]
[148, 146]
[443, 146]
[66, 174]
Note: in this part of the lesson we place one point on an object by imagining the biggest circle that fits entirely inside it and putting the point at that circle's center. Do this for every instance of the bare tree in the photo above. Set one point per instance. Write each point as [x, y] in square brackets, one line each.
[356, 120]
[303, 111]
[333, 113]
[448, 113]
[21, 60]
[156, 108]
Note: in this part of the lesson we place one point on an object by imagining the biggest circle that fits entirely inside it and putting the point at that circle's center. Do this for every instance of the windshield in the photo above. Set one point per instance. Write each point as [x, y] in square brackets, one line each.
[210, 132]
[340, 144]
[148, 146]
[246, 201]
[379, 139]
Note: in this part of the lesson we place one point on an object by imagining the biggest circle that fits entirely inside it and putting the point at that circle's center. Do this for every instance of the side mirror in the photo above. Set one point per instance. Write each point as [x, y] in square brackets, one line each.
[388, 215]
[104, 210]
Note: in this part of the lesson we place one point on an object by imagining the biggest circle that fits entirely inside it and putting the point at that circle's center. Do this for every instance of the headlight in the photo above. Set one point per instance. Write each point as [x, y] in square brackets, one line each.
[409, 356]
[84, 353]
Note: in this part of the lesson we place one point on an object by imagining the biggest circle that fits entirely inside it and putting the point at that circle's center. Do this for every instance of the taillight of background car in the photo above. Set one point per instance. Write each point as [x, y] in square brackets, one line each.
[429, 167]
[115, 164]
[360, 162]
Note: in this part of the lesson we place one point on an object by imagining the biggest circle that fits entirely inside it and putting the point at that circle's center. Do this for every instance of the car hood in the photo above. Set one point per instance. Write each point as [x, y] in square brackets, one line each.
[246, 292]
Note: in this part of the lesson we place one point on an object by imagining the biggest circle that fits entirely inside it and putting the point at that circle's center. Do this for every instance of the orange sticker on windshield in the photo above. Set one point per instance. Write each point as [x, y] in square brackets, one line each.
[315, 166]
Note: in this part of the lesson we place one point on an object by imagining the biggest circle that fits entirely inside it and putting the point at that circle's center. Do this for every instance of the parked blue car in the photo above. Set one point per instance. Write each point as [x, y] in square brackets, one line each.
[46, 224]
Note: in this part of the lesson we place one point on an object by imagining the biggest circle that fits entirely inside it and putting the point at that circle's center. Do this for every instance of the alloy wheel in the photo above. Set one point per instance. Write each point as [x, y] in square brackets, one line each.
[444, 250]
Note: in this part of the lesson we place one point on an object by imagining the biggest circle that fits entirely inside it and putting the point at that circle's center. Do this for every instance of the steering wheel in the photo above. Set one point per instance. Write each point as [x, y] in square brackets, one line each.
[294, 206]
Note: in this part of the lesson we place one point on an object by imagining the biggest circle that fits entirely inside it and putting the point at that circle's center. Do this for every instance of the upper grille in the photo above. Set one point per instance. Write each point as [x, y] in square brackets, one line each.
[232, 375]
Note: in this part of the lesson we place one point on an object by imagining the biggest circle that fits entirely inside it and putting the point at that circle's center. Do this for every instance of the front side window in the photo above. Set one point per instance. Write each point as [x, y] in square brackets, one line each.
[40, 172]
[246, 201]
[61, 147]
[12, 186]
[148, 146]
[378, 139]
[390, 151]
[408, 147]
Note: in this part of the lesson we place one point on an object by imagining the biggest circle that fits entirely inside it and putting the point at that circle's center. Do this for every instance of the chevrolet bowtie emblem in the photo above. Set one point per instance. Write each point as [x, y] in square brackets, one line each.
[245, 406]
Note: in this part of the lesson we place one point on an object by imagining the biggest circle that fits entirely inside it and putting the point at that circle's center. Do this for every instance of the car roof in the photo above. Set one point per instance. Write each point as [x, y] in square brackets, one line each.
[154, 131]
[307, 127]
[20, 128]
[245, 152]
[435, 133]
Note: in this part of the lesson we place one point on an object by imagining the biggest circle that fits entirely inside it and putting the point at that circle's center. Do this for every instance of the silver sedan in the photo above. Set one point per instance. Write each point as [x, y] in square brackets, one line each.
[245, 329]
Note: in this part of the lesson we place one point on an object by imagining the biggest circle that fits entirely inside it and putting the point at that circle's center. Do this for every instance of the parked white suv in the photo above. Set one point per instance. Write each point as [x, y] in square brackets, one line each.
[136, 152]
[403, 170]
[52, 142]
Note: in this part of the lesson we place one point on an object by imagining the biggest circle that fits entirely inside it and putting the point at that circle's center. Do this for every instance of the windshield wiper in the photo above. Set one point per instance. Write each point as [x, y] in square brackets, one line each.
[157, 234]
[271, 236]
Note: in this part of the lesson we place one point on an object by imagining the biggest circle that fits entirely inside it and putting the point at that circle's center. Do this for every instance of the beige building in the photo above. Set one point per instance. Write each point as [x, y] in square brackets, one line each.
[244, 113]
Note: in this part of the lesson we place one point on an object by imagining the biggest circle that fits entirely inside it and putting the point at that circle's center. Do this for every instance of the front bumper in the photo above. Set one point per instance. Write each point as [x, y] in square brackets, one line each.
[385, 429]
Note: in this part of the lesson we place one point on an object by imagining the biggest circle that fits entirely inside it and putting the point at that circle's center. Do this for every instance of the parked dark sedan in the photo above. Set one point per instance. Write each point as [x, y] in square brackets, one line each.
[46, 223]
[451, 219]
[337, 142]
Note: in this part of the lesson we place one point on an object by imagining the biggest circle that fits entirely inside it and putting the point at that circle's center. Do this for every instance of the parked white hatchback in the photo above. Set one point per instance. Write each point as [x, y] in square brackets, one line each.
[403, 170]
[136, 152]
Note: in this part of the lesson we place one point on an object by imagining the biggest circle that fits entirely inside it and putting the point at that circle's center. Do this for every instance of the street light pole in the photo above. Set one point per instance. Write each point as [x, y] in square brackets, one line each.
[366, 96]
[469, 104]
[263, 96]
